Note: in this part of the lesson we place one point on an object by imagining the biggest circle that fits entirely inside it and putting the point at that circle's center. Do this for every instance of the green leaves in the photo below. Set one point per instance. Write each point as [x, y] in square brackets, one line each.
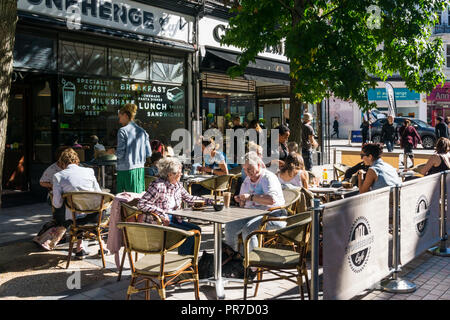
[340, 46]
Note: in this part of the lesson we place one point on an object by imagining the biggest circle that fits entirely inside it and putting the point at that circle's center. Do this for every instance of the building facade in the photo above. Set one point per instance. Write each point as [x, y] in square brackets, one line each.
[77, 62]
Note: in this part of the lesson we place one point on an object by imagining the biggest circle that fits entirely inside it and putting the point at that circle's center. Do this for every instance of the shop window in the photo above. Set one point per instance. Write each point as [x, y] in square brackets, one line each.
[34, 52]
[83, 58]
[129, 64]
[167, 69]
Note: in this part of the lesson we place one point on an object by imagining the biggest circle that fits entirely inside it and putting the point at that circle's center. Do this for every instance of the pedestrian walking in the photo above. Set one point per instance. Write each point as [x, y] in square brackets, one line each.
[409, 138]
[335, 128]
[389, 134]
[133, 149]
[441, 128]
[365, 131]
[308, 141]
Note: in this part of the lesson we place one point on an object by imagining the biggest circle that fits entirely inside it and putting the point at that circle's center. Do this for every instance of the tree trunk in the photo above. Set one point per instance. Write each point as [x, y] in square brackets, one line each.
[8, 19]
[295, 111]
[295, 106]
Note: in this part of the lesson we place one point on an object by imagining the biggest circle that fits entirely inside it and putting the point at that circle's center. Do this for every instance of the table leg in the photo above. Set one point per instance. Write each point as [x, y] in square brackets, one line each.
[218, 261]
[103, 176]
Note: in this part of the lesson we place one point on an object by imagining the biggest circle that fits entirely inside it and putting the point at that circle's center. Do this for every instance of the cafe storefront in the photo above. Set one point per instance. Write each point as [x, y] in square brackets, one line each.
[438, 103]
[75, 67]
[261, 93]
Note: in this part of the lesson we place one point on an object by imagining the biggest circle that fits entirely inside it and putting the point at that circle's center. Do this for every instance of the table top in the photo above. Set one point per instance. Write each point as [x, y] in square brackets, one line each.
[226, 215]
[197, 177]
[341, 191]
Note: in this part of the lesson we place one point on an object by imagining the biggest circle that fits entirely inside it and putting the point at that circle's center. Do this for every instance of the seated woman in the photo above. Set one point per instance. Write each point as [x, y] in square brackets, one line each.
[165, 195]
[380, 174]
[152, 170]
[292, 174]
[215, 161]
[440, 161]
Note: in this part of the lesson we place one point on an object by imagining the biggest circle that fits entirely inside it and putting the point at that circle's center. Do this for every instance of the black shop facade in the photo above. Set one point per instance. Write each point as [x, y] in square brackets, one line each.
[76, 62]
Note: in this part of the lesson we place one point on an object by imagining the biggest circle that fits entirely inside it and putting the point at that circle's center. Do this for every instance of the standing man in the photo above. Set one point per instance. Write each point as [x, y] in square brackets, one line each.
[441, 128]
[389, 133]
[308, 141]
[335, 127]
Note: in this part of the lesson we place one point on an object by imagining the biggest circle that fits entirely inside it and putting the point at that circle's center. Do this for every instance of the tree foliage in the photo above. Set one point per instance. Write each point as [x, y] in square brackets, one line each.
[341, 47]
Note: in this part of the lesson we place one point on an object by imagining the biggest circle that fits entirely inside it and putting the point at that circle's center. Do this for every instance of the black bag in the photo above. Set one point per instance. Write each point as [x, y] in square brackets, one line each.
[232, 264]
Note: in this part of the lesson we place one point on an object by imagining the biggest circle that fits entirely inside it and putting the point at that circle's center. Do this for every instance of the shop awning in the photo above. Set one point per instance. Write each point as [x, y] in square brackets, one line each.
[261, 70]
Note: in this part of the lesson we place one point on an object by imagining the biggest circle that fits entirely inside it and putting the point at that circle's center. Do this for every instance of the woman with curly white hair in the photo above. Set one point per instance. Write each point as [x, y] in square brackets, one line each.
[165, 195]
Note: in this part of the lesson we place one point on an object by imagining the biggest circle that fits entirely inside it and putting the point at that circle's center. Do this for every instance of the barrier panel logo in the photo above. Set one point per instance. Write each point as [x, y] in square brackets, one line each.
[421, 215]
[359, 244]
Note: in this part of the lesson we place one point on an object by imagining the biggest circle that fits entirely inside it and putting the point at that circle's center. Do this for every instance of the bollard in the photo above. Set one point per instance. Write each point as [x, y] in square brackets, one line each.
[396, 284]
[315, 250]
[441, 249]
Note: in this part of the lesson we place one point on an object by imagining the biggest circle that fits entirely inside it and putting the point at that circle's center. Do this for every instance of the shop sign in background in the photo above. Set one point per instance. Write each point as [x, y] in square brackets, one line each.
[400, 94]
[124, 15]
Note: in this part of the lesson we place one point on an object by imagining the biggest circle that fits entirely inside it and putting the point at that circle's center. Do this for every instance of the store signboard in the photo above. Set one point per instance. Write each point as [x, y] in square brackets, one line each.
[212, 30]
[93, 96]
[123, 15]
[440, 94]
[400, 94]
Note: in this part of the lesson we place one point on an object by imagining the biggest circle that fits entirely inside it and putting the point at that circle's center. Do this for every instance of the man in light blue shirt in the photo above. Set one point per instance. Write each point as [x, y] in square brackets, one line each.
[73, 178]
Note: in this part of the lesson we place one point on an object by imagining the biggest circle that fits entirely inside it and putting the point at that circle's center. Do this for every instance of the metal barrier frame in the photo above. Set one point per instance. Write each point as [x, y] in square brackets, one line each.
[442, 249]
[394, 284]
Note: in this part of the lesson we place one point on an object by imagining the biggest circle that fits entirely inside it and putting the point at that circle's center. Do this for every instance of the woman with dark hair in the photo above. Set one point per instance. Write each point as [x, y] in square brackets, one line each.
[292, 173]
[409, 138]
[283, 135]
[380, 174]
[440, 161]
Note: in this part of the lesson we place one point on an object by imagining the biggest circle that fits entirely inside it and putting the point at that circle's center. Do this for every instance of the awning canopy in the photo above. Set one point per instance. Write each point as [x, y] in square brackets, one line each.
[261, 70]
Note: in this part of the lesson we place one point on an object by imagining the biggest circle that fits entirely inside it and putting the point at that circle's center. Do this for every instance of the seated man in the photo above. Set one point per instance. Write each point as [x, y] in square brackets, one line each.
[73, 178]
[261, 189]
[46, 180]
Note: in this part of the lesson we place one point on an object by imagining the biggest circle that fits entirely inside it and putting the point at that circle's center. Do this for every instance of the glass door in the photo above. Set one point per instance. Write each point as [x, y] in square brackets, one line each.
[15, 170]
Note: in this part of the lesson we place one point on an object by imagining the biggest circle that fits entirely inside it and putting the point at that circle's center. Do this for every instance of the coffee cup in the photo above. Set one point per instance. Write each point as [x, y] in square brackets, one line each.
[226, 199]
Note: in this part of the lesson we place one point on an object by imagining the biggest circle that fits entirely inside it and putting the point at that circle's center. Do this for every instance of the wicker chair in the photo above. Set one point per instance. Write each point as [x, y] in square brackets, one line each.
[291, 196]
[280, 262]
[130, 213]
[89, 202]
[339, 170]
[160, 266]
[148, 180]
[217, 184]
[235, 170]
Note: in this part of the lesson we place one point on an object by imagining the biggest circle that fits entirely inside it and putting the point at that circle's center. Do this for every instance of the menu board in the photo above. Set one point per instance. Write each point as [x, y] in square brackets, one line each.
[92, 96]
[90, 106]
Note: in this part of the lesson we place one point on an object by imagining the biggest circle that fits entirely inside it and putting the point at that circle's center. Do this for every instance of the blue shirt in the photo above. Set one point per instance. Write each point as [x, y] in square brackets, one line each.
[387, 175]
[133, 147]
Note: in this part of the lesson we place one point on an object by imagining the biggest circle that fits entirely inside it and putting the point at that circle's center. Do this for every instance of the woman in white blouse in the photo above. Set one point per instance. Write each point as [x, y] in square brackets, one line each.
[292, 174]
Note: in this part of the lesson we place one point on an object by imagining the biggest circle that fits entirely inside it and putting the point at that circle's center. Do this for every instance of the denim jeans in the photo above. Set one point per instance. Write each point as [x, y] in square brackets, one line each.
[187, 248]
[247, 226]
[389, 145]
[307, 159]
